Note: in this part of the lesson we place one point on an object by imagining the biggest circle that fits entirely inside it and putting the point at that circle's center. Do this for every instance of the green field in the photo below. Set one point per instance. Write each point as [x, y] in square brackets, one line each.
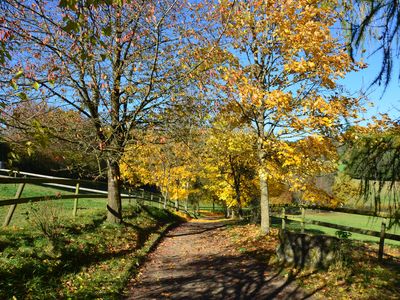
[64, 206]
[358, 221]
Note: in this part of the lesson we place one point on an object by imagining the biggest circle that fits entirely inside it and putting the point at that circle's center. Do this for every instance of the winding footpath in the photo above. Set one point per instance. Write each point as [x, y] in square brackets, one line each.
[197, 260]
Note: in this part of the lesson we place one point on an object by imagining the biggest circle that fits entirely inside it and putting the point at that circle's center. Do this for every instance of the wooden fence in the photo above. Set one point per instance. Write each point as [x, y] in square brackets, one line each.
[138, 196]
[77, 186]
[141, 196]
[382, 234]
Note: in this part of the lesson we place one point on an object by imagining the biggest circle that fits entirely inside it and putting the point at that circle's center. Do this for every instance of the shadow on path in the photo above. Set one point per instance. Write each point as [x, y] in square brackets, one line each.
[197, 261]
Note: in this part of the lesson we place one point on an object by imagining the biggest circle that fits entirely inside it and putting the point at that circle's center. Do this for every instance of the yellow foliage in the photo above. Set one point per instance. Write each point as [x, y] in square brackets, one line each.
[346, 189]
[229, 165]
[160, 162]
[282, 82]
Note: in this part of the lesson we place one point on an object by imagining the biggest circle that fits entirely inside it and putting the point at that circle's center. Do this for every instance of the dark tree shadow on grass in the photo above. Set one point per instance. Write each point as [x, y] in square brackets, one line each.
[71, 256]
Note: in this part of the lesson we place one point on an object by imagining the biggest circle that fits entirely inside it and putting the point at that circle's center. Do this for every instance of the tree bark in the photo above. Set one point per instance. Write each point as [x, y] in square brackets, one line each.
[187, 197]
[240, 212]
[114, 205]
[264, 203]
[165, 201]
[262, 155]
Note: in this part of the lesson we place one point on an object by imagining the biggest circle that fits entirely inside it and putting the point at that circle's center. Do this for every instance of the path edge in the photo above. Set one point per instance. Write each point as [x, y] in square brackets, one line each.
[149, 246]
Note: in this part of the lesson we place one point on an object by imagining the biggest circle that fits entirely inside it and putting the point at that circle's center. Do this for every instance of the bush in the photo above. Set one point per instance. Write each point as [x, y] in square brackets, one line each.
[47, 218]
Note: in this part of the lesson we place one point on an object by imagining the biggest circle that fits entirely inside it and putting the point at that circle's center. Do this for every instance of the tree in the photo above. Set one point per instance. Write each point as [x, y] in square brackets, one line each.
[160, 161]
[167, 155]
[376, 20]
[118, 63]
[51, 140]
[374, 153]
[373, 156]
[280, 79]
[229, 165]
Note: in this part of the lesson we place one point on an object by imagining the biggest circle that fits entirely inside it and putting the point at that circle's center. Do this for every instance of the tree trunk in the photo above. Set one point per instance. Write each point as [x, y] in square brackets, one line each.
[165, 202]
[264, 203]
[114, 205]
[165, 195]
[187, 197]
[262, 156]
[240, 212]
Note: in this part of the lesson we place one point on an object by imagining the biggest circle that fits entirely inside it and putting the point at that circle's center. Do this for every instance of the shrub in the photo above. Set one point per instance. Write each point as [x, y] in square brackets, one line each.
[47, 218]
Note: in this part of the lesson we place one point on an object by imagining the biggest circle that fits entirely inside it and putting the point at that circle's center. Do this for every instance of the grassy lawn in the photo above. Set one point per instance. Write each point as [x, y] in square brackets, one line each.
[65, 207]
[47, 254]
[7, 191]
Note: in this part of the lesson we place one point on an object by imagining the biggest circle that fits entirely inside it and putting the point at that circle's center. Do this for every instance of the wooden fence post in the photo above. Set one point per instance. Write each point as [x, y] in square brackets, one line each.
[382, 240]
[187, 197]
[159, 202]
[10, 213]
[76, 200]
[303, 216]
[283, 218]
[151, 199]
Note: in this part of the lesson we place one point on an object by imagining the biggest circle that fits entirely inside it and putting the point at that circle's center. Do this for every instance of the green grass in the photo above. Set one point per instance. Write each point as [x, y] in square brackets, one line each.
[90, 205]
[45, 253]
[81, 258]
[358, 221]
[7, 191]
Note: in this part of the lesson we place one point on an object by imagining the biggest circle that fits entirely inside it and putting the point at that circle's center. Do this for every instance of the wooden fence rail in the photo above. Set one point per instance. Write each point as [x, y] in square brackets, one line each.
[140, 196]
[346, 210]
[343, 228]
[382, 234]
[64, 183]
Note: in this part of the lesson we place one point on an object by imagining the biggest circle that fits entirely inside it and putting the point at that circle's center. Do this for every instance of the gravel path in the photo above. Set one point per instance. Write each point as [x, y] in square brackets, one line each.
[197, 261]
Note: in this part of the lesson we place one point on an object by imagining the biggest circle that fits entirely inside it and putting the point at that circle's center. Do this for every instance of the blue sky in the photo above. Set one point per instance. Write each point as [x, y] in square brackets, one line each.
[384, 101]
